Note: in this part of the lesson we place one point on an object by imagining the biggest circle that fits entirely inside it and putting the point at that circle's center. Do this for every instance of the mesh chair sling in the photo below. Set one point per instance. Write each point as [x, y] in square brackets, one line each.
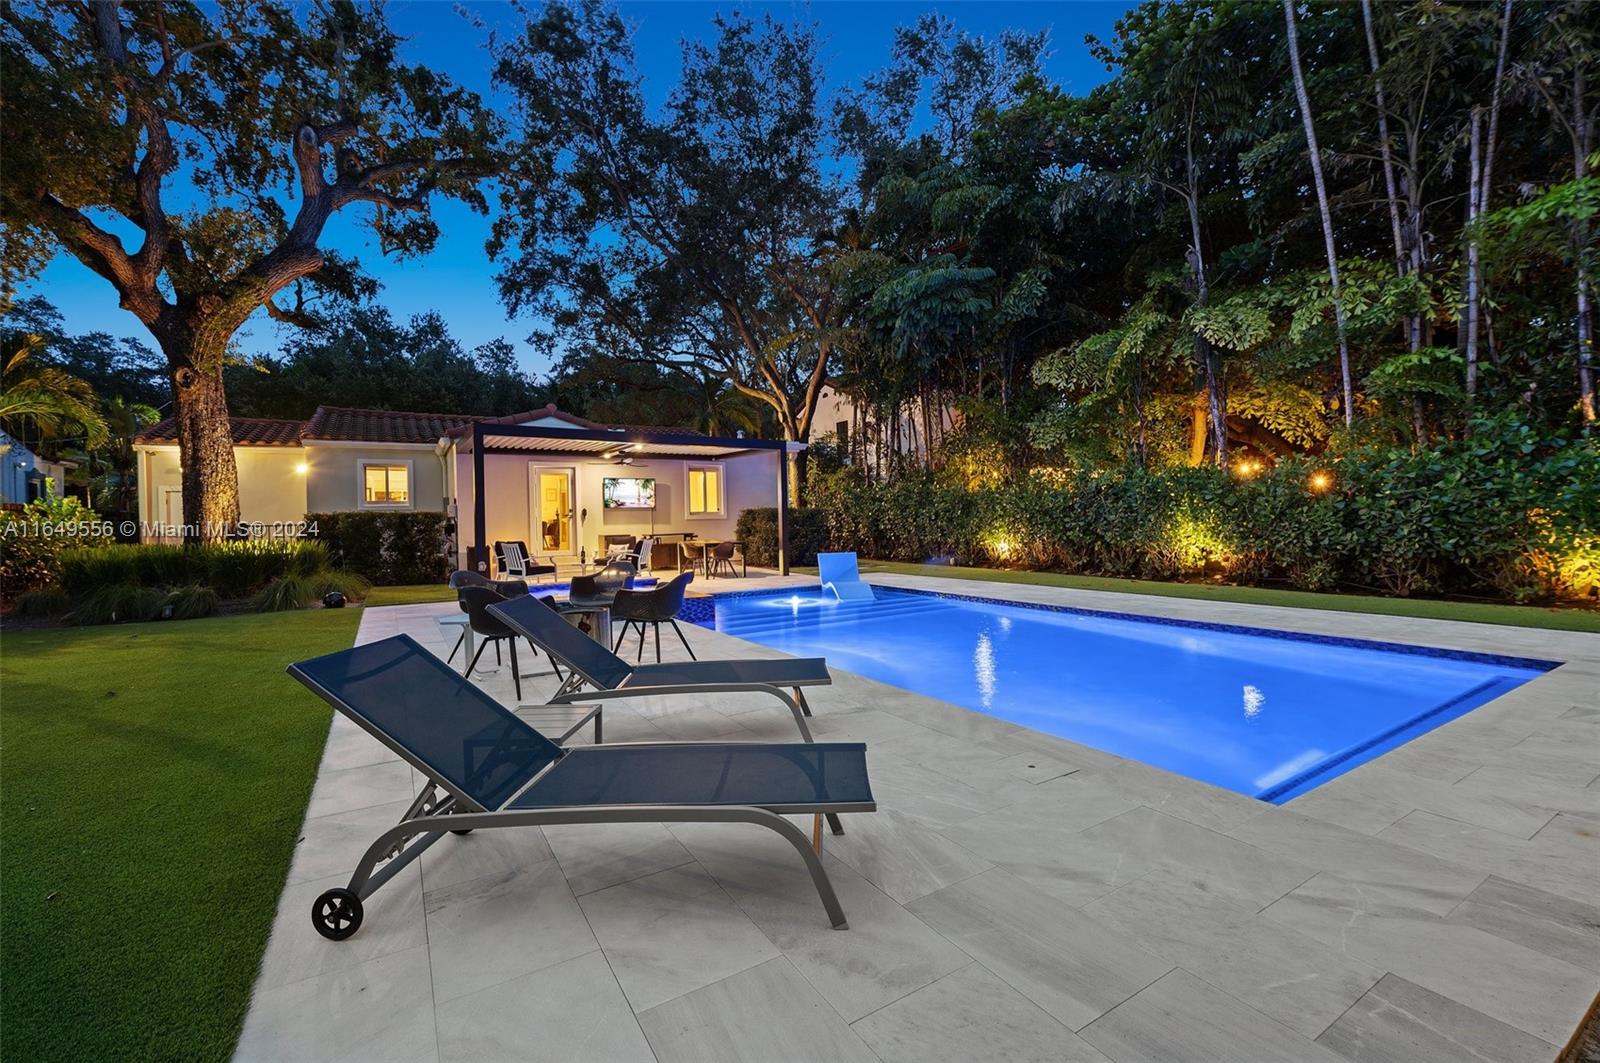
[484, 769]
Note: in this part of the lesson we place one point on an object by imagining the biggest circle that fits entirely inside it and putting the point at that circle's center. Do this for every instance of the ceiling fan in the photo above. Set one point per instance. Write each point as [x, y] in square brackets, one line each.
[618, 455]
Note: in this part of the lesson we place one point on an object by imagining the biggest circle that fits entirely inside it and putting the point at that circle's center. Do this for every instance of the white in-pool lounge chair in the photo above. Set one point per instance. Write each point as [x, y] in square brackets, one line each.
[840, 575]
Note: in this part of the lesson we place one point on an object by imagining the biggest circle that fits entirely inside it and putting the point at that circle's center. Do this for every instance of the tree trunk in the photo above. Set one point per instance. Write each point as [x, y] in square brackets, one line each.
[1470, 326]
[1198, 429]
[205, 451]
[1481, 172]
[1581, 136]
[1322, 207]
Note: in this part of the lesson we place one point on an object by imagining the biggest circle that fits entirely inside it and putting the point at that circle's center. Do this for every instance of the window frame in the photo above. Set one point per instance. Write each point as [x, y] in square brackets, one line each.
[363, 464]
[718, 467]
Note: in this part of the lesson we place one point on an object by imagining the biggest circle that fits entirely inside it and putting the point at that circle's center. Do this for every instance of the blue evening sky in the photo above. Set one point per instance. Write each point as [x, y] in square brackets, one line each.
[457, 279]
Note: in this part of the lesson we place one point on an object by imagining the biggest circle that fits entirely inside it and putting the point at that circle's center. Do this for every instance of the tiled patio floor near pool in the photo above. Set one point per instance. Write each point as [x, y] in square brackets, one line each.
[1016, 897]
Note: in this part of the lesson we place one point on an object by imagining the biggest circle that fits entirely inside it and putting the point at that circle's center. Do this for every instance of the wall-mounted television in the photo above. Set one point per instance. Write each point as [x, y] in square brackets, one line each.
[628, 492]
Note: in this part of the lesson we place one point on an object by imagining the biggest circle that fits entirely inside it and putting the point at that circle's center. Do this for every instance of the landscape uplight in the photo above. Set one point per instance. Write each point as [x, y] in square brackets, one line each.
[1321, 480]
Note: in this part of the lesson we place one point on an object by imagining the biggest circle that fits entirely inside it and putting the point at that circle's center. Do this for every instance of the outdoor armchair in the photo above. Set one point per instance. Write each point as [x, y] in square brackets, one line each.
[657, 606]
[484, 768]
[511, 558]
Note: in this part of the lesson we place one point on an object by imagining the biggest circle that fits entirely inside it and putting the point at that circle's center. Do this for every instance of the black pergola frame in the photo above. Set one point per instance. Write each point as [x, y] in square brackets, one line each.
[732, 448]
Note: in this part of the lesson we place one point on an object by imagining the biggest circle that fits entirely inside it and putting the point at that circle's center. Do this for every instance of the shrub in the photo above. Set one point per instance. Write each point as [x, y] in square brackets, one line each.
[232, 569]
[117, 602]
[758, 530]
[295, 590]
[46, 602]
[386, 548]
[1503, 514]
[33, 540]
[191, 602]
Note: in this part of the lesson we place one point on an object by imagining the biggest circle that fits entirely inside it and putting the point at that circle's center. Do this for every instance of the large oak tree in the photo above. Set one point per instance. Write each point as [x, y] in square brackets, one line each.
[192, 155]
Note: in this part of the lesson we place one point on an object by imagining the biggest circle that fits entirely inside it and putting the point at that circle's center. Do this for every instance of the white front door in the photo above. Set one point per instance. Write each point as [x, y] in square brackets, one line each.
[171, 513]
[552, 517]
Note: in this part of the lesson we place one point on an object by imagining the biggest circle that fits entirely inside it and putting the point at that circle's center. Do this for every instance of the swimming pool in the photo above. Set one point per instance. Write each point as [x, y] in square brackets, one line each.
[1269, 714]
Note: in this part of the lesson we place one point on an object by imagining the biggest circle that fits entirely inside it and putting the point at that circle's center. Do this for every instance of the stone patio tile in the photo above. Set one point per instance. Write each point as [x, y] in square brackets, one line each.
[901, 856]
[1296, 980]
[391, 922]
[572, 1012]
[380, 783]
[1145, 839]
[922, 793]
[492, 929]
[1377, 795]
[378, 1010]
[766, 1013]
[671, 933]
[1430, 883]
[1203, 805]
[885, 954]
[1545, 922]
[1401, 1022]
[594, 856]
[460, 858]
[1531, 791]
[333, 844]
[1563, 862]
[1181, 1018]
[349, 746]
[1533, 992]
[1069, 964]
[966, 1015]
[862, 725]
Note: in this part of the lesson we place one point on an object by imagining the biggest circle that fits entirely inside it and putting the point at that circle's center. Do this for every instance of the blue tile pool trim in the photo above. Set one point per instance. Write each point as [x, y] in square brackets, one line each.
[702, 611]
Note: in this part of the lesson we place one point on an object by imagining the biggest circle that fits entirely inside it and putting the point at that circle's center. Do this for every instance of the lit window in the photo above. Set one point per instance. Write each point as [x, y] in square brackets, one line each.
[705, 490]
[385, 485]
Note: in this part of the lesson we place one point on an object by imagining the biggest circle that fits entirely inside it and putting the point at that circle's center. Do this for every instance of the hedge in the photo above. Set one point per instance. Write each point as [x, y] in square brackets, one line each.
[758, 530]
[388, 549]
[1504, 515]
[232, 570]
[34, 538]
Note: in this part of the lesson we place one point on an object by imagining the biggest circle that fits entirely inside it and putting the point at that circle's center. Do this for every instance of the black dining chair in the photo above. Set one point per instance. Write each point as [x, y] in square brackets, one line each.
[475, 602]
[602, 586]
[657, 606]
[463, 578]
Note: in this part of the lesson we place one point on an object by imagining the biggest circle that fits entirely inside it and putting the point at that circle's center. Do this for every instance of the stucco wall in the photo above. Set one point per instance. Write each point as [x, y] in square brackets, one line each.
[333, 483]
[271, 489]
[751, 481]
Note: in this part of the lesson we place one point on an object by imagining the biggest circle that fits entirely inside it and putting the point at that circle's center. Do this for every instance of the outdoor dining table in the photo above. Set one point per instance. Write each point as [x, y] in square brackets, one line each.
[706, 546]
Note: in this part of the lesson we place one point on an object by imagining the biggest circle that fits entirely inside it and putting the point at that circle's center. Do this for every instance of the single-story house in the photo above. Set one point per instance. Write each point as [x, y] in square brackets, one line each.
[25, 476]
[557, 482]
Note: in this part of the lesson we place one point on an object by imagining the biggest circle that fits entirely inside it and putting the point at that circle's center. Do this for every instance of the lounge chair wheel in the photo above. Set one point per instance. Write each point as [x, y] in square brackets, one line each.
[336, 914]
[467, 831]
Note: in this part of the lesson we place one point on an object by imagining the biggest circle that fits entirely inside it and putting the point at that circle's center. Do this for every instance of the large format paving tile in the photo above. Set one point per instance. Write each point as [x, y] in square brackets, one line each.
[460, 858]
[1536, 993]
[378, 1010]
[594, 856]
[1400, 1022]
[391, 922]
[333, 844]
[1064, 961]
[1430, 882]
[1183, 798]
[1545, 922]
[901, 856]
[1181, 1019]
[1145, 839]
[915, 790]
[494, 928]
[349, 746]
[966, 1015]
[1560, 858]
[1377, 795]
[671, 933]
[886, 953]
[766, 1013]
[1295, 979]
[572, 1012]
[384, 782]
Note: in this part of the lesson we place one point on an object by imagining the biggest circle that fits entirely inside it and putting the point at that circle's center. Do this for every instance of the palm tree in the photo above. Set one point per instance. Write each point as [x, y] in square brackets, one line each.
[1322, 206]
[43, 401]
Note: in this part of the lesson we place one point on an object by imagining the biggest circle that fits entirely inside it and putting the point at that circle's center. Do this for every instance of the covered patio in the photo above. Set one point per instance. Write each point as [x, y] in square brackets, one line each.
[566, 490]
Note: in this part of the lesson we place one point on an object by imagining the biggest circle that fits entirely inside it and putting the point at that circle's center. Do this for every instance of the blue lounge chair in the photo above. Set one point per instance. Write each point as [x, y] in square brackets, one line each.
[484, 768]
[606, 676]
[840, 575]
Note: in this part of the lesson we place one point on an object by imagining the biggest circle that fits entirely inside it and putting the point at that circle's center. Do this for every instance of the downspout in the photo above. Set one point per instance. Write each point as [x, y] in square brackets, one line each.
[441, 450]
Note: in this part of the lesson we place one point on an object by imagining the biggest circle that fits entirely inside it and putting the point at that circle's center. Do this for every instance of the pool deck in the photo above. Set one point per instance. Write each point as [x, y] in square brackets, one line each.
[1016, 896]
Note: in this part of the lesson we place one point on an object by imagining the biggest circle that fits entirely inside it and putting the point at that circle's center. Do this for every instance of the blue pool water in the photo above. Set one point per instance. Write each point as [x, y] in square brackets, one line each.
[1263, 713]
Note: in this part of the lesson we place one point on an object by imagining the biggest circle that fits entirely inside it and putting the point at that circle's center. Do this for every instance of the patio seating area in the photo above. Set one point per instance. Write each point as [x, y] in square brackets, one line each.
[1015, 895]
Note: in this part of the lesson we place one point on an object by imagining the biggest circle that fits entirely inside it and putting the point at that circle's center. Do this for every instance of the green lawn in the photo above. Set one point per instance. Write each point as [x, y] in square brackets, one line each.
[1558, 619]
[410, 595]
[155, 777]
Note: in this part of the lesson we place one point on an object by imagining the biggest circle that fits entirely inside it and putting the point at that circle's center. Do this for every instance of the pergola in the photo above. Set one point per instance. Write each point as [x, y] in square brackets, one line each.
[491, 438]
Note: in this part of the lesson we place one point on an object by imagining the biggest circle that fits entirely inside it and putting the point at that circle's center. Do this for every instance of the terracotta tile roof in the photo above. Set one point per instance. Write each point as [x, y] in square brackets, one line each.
[382, 426]
[346, 424]
[247, 432]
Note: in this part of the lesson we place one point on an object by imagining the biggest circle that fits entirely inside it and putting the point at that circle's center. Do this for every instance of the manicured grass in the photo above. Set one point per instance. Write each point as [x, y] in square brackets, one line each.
[410, 595]
[1556, 619]
[155, 777]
